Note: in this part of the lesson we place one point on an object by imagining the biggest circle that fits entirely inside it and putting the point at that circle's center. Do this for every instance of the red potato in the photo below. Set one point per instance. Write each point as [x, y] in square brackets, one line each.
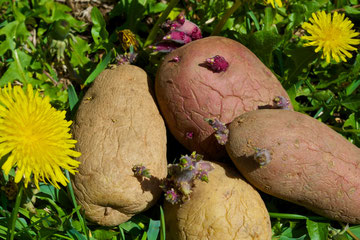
[304, 161]
[188, 91]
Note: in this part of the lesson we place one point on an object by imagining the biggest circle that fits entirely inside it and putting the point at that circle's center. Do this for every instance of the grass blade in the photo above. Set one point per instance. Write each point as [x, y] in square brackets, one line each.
[73, 98]
[81, 219]
[152, 35]
[99, 68]
[154, 228]
[162, 225]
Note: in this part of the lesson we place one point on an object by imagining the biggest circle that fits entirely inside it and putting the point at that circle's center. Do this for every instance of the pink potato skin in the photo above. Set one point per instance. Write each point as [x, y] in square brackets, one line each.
[188, 92]
[311, 164]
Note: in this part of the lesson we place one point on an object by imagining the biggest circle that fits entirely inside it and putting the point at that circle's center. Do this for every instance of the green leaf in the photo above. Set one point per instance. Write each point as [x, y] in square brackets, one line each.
[352, 102]
[317, 230]
[76, 235]
[10, 32]
[290, 238]
[162, 225]
[322, 95]
[351, 11]
[300, 58]
[99, 68]
[73, 98]
[254, 19]
[59, 210]
[129, 225]
[268, 18]
[351, 122]
[262, 43]
[292, 95]
[98, 30]
[51, 11]
[16, 70]
[153, 230]
[79, 48]
[49, 190]
[144, 236]
[158, 7]
[355, 230]
[352, 87]
[102, 234]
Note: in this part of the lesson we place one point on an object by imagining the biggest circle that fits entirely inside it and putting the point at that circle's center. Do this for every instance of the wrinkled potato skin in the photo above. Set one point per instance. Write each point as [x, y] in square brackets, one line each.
[188, 92]
[224, 208]
[311, 164]
[117, 126]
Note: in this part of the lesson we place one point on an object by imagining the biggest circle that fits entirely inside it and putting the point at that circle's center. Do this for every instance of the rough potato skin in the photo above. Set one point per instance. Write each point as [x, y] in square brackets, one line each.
[117, 126]
[187, 91]
[224, 208]
[311, 164]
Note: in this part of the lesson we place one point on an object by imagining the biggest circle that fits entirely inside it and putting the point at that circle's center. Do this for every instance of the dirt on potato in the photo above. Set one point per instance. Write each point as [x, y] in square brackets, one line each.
[224, 208]
[310, 164]
[188, 91]
[118, 126]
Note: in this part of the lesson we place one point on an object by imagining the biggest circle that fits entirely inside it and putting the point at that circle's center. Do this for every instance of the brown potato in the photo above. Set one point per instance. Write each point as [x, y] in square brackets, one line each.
[224, 208]
[118, 126]
[310, 164]
[187, 91]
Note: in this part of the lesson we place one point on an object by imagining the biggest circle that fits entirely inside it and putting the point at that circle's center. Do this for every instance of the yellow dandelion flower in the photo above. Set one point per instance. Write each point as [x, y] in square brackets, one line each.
[331, 33]
[35, 136]
[272, 2]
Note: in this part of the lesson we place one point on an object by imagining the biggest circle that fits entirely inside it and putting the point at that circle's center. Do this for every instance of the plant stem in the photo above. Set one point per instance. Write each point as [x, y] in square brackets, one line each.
[152, 35]
[82, 222]
[297, 217]
[352, 234]
[357, 131]
[11, 229]
[347, 229]
[61, 236]
[226, 16]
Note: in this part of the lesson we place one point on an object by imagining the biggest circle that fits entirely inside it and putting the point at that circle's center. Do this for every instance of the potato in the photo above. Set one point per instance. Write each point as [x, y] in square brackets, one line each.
[188, 91]
[118, 126]
[224, 208]
[310, 164]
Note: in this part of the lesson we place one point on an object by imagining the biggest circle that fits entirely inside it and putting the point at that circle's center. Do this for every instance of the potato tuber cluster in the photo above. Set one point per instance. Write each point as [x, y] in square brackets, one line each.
[214, 77]
[211, 92]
